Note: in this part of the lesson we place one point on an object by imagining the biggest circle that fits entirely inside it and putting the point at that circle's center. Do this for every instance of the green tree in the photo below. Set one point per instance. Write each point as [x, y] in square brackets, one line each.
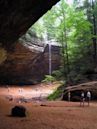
[70, 26]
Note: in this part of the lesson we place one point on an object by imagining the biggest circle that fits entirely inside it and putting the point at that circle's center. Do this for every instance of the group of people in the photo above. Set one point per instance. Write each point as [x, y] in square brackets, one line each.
[83, 97]
[87, 98]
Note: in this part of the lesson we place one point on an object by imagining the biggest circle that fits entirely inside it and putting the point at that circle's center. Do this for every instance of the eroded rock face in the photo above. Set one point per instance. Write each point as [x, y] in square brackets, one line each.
[16, 17]
[24, 66]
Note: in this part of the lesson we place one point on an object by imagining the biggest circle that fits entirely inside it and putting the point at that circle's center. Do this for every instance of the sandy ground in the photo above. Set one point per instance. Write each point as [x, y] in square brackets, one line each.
[45, 114]
[28, 91]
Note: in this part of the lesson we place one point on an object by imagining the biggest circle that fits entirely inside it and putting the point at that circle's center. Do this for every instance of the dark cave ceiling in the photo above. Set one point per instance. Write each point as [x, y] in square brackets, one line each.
[17, 16]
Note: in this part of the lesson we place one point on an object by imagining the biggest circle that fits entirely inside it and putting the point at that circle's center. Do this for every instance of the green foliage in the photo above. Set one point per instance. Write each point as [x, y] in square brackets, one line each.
[48, 79]
[57, 74]
[56, 94]
[71, 26]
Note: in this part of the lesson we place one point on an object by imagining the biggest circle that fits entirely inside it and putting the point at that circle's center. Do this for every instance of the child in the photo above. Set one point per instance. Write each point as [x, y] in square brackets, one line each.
[82, 99]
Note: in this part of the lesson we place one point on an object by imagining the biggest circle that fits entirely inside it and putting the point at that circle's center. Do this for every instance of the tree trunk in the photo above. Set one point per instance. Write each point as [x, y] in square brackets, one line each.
[94, 34]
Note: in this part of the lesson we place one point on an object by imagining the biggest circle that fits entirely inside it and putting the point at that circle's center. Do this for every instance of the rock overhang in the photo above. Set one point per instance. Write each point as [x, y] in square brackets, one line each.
[17, 16]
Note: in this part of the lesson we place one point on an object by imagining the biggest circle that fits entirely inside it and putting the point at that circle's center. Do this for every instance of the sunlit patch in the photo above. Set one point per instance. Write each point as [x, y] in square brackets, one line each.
[26, 94]
[69, 1]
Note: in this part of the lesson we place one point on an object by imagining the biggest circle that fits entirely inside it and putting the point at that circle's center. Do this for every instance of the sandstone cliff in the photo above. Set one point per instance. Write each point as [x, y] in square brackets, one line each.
[25, 66]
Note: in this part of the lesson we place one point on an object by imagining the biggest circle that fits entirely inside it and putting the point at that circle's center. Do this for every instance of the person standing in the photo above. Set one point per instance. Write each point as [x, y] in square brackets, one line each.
[69, 96]
[88, 97]
[82, 99]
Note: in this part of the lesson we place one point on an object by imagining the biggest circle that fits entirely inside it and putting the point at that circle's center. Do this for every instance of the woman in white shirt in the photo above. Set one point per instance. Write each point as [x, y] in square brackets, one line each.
[88, 97]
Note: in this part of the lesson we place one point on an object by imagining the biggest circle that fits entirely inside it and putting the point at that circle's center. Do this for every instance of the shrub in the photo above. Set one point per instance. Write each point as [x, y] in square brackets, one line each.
[56, 94]
[57, 74]
[48, 79]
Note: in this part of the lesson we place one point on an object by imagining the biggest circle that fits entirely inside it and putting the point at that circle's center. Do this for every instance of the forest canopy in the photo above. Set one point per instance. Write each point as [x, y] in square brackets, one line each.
[74, 26]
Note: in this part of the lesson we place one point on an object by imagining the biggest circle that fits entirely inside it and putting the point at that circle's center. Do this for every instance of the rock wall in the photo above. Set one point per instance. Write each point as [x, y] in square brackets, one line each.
[24, 66]
[17, 16]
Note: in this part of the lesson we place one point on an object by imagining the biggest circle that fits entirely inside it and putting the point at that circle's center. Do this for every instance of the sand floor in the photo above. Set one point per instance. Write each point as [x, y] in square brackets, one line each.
[47, 114]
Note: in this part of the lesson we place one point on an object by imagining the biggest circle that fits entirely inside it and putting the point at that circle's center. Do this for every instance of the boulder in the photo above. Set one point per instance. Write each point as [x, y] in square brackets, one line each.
[18, 111]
